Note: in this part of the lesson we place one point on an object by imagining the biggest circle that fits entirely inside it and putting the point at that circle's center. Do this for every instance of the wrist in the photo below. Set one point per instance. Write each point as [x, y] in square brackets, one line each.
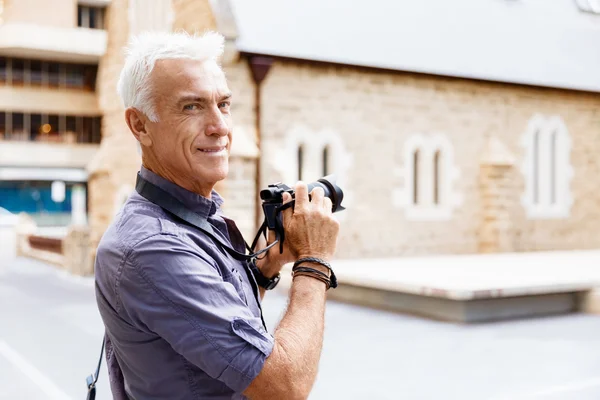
[317, 268]
[265, 279]
[322, 256]
[267, 268]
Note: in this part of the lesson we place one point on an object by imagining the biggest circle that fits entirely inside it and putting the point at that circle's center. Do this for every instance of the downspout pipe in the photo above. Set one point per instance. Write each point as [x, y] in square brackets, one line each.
[260, 66]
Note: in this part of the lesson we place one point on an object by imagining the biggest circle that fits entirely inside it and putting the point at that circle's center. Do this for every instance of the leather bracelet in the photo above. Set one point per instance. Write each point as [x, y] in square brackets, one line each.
[314, 273]
[314, 276]
[312, 270]
[312, 260]
[324, 263]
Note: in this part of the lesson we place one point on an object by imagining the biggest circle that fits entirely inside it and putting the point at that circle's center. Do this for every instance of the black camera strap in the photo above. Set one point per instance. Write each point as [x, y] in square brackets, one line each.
[169, 203]
[92, 379]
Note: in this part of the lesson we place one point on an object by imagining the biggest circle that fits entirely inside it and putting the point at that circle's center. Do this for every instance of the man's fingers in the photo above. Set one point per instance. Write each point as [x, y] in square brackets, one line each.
[327, 205]
[301, 196]
[317, 195]
[287, 197]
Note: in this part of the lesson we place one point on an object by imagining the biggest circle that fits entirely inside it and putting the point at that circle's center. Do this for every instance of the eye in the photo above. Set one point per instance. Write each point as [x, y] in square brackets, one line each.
[190, 107]
[224, 105]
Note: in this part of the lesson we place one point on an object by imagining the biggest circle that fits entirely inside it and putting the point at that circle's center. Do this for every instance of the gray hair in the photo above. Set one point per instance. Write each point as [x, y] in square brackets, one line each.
[147, 48]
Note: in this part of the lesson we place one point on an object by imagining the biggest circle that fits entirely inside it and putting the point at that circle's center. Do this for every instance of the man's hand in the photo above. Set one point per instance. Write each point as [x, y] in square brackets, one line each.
[310, 229]
[272, 263]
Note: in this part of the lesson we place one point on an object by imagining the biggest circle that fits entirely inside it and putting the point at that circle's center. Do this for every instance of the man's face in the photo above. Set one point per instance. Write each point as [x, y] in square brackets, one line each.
[192, 138]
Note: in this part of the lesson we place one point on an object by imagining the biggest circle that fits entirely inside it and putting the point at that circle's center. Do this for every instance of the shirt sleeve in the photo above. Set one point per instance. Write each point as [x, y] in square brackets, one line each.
[173, 289]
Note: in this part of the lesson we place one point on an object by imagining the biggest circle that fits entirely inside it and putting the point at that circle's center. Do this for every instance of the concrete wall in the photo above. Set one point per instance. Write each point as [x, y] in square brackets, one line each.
[48, 100]
[38, 154]
[57, 13]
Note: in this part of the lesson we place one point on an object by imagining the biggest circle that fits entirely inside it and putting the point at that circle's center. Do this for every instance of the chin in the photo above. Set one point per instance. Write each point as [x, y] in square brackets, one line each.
[216, 175]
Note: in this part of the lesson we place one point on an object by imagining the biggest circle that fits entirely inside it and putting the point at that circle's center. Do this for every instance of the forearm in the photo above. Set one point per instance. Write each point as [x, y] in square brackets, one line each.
[300, 332]
[292, 366]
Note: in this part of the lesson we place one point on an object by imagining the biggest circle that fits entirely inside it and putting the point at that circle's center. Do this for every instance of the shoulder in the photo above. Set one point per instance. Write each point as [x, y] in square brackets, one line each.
[140, 227]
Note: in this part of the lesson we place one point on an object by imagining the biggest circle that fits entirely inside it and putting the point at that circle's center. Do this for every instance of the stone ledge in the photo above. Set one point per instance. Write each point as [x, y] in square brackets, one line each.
[461, 311]
[471, 288]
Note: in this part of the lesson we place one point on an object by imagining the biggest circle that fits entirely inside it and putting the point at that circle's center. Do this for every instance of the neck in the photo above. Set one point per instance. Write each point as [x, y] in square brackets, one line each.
[186, 182]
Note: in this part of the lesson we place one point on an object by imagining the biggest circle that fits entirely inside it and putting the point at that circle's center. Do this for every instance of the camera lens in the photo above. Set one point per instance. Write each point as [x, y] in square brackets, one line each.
[267, 194]
[331, 189]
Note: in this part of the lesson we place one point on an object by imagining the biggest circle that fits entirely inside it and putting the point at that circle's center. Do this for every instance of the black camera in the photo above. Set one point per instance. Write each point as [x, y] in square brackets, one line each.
[272, 197]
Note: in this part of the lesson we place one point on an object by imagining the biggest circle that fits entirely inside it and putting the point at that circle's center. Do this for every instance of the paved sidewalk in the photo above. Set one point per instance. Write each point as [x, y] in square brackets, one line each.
[50, 334]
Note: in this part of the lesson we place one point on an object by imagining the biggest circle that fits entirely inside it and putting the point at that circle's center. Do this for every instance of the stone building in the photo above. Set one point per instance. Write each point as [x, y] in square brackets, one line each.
[454, 127]
[459, 127]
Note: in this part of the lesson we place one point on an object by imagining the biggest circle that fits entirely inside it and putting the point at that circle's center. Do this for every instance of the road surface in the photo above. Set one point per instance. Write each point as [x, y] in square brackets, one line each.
[50, 333]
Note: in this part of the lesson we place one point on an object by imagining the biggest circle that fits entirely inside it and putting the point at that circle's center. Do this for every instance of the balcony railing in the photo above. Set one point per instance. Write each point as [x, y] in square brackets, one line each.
[24, 127]
[40, 73]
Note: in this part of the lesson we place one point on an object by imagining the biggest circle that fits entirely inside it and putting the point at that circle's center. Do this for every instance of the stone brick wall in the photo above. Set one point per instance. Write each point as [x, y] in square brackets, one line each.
[192, 16]
[496, 190]
[239, 189]
[117, 161]
[376, 112]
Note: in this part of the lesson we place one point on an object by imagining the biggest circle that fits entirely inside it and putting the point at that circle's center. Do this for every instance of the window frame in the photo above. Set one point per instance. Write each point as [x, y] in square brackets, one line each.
[423, 185]
[547, 168]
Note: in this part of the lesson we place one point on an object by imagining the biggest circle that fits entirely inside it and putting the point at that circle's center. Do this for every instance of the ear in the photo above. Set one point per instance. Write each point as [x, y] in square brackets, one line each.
[136, 121]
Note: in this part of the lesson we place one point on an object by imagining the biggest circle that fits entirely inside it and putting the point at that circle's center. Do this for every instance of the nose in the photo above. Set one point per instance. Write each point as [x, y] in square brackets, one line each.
[217, 124]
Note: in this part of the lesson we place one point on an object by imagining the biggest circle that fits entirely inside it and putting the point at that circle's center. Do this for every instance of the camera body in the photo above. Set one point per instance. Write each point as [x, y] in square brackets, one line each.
[272, 198]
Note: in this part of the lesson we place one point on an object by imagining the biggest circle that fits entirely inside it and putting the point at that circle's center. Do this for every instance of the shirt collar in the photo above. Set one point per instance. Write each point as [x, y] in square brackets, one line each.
[199, 204]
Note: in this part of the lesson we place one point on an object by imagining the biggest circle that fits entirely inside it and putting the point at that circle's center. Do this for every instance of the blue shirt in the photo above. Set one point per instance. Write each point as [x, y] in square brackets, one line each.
[182, 317]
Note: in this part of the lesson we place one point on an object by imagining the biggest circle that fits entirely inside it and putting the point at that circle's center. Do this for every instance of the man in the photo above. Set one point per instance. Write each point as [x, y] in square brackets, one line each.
[182, 318]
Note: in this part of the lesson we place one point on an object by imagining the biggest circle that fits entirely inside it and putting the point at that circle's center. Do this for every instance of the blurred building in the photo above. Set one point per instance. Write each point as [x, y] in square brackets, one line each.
[459, 126]
[454, 127]
[50, 122]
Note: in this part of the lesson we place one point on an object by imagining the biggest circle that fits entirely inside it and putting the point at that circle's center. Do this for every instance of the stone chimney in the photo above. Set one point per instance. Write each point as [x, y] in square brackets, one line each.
[496, 188]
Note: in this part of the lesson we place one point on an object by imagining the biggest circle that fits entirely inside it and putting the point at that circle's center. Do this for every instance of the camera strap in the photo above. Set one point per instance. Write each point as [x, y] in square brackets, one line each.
[169, 203]
[92, 379]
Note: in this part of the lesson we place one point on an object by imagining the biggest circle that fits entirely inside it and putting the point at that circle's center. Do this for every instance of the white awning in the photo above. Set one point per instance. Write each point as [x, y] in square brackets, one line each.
[46, 155]
[43, 174]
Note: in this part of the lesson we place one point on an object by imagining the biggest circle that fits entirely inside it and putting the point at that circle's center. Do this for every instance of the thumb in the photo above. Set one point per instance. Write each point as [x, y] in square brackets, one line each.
[286, 214]
[286, 197]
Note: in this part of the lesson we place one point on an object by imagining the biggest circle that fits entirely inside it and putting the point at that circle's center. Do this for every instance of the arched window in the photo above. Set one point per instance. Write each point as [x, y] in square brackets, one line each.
[553, 161]
[415, 180]
[547, 168]
[300, 161]
[429, 173]
[326, 160]
[436, 176]
[536, 167]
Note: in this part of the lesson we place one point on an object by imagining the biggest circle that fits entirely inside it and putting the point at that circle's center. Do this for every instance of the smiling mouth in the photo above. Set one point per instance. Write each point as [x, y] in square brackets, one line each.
[213, 149]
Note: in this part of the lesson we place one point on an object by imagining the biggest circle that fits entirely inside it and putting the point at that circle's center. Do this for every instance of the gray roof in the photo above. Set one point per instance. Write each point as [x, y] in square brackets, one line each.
[549, 43]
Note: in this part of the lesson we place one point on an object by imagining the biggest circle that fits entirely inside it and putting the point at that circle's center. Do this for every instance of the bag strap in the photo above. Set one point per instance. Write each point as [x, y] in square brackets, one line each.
[92, 379]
